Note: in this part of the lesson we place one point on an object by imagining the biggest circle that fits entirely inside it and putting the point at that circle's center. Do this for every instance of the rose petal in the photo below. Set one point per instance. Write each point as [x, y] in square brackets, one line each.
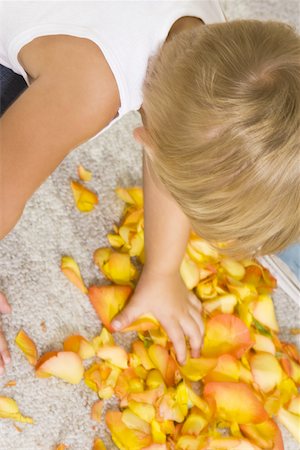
[65, 365]
[85, 200]
[226, 333]
[98, 444]
[97, 411]
[78, 344]
[114, 354]
[28, 347]
[108, 301]
[235, 402]
[266, 371]
[290, 421]
[71, 270]
[84, 175]
[123, 437]
[9, 410]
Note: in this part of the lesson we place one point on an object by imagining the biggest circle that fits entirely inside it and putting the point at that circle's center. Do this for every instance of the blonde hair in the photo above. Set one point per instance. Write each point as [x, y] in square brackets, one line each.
[222, 111]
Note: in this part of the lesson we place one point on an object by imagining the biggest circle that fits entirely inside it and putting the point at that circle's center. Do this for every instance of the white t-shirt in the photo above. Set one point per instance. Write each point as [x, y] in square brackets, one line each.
[128, 32]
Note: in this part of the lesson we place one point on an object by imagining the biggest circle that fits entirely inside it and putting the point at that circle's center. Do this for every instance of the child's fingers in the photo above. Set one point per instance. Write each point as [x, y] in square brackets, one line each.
[191, 329]
[176, 335]
[4, 305]
[194, 313]
[126, 317]
[4, 353]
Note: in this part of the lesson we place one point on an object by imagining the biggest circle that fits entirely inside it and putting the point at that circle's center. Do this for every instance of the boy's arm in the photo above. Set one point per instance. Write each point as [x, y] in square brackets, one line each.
[160, 289]
[65, 106]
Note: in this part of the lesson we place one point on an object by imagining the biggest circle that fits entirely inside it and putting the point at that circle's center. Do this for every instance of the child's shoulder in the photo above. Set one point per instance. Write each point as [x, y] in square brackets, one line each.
[63, 52]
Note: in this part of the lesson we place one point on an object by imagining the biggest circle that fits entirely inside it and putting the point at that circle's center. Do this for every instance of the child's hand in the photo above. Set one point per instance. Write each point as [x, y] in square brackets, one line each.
[177, 309]
[4, 352]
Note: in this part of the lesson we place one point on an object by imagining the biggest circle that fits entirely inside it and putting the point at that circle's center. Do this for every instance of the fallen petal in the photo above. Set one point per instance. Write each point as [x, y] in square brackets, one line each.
[27, 346]
[71, 270]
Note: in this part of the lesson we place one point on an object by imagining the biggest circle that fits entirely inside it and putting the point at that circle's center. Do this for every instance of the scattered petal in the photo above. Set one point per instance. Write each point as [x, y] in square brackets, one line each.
[71, 270]
[27, 346]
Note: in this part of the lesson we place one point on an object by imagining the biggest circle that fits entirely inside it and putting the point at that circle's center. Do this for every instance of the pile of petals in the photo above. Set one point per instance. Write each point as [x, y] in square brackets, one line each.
[231, 397]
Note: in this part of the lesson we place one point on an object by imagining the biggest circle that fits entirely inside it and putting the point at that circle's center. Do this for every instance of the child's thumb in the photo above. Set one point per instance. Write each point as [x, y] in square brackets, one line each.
[125, 318]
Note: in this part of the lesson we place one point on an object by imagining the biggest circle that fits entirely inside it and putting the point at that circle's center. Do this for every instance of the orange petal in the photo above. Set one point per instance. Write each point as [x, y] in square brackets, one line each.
[84, 175]
[169, 409]
[10, 383]
[266, 371]
[264, 434]
[85, 200]
[71, 270]
[226, 333]
[290, 421]
[149, 396]
[27, 346]
[78, 344]
[123, 437]
[98, 444]
[235, 402]
[97, 411]
[128, 381]
[61, 447]
[114, 354]
[65, 365]
[9, 410]
[108, 301]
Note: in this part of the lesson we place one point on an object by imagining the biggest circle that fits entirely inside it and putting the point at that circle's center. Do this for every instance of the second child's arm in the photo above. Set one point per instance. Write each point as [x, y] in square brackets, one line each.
[65, 106]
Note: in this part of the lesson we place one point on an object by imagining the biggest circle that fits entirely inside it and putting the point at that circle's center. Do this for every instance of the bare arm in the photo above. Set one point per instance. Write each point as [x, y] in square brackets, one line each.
[60, 110]
[167, 228]
[160, 289]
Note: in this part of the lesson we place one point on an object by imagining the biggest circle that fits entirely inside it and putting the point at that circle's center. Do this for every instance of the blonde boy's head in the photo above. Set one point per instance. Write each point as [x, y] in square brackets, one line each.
[222, 112]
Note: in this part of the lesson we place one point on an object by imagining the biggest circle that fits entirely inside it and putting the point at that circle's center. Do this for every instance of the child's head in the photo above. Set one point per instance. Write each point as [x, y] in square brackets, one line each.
[222, 109]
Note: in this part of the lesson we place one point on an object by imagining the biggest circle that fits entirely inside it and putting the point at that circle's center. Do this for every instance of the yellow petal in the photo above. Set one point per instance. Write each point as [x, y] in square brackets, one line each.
[224, 303]
[133, 195]
[27, 346]
[194, 424]
[65, 365]
[104, 338]
[114, 354]
[84, 175]
[134, 422]
[189, 272]
[266, 371]
[139, 349]
[233, 268]
[294, 406]
[196, 368]
[263, 311]
[125, 438]
[9, 410]
[97, 411]
[115, 240]
[142, 410]
[61, 447]
[158, 435]
[71, 270]
[78, 344]
[85, 199]
[290, 421]
[264, 344]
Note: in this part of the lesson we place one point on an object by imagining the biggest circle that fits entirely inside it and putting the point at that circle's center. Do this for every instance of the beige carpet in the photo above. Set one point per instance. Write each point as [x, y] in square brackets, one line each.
[31, 277]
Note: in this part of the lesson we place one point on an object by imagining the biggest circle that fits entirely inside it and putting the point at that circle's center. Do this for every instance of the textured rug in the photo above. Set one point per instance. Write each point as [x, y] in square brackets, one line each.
[38, 292]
